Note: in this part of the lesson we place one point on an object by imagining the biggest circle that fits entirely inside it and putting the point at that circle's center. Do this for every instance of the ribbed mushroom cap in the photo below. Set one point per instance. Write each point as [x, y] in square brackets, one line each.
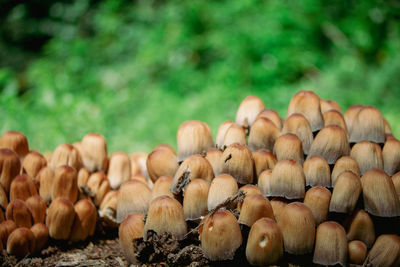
[130, 229]
[94, 152]
[265, 243]
[263, 134]
[166, 216]
[234, 134]
[357, 252]
[21, 242]
[361, 227]
[108, 209]
[278, 204]
[66, 154]
[368, 125]
[6, 228]
[264, 182]
[99, 185]
[385, 251]
[298, 124]
[237, 161]
[317, 172]
[37, 207]
[10, 167]
[350, 116]
[195, 199]
[219, 143]
[119, 169]
[396, 182]
[46, 179]
[16, 141]
[287, 180]
[345, 193]
[133, 197]
[391, 155]
[161, 162]
[380, 198]
[263, 160]
[317, 199]
[307, 103]
[33, 163]
[193, 137]
[195, 166]
[41, 233]
[138, 162]
[334, 117]
[368, 156]
[254, 207]
[22, 187]
[248, 110]
[288, 146]
[162, 187]
[19, 213]
[213, 156]
[297, 224]
[83, 177]
[330, 244]
[330, 143]
[272, 115]
[220, 236]
[343, 164]
[222, 187]
[85, 220]
[109, 201]
[65, 183]
[60, 218]
[250, 189]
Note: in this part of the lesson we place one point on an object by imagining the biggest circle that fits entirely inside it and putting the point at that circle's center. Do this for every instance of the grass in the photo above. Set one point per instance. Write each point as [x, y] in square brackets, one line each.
[140, 123]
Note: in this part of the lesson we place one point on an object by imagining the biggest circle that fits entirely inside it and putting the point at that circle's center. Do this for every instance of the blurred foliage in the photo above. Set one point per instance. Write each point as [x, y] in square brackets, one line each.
[135, 70]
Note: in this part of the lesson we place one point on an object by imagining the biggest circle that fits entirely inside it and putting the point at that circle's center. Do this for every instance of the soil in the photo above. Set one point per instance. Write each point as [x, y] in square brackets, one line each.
[166, 250]
[100, 250]
[103, 250]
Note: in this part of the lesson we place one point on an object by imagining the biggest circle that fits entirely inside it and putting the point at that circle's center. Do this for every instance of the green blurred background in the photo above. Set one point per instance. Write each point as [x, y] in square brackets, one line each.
[134, 70]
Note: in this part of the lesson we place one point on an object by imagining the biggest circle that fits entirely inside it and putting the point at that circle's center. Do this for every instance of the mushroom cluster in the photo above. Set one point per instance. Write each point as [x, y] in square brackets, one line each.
[61, 195]
[317, 188]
